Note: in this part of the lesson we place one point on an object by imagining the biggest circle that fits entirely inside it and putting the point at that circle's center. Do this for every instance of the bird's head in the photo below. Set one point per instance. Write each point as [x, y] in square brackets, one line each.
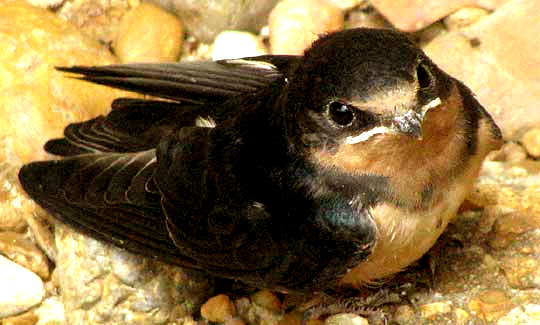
[370, 102]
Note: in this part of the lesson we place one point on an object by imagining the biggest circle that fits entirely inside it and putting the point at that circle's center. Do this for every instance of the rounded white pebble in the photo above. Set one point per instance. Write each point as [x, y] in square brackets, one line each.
[236, 44]
[21, 288]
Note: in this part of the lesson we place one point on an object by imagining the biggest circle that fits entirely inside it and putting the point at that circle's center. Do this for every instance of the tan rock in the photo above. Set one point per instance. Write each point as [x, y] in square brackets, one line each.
[499, 59]
[522, 272]
[413, 15]
[491, 305]
[23, 252]
[527, 314]
[531, 142]
[346, 319]
[267, 299]
[510, 151]
[97, 19]
[404, 314]
[433, 309]
[148, 33]
[37, 102]
[464, 17]
[462, 316]
[237, 44]
[295, 24]
[218, 309]
[28, 318]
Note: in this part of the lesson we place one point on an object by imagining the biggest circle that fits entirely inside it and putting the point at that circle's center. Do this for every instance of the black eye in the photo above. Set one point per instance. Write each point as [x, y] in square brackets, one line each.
[423, 76]
[340, 113]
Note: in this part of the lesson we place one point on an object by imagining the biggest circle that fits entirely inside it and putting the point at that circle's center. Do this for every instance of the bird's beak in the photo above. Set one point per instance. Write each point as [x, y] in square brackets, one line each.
[410, 123]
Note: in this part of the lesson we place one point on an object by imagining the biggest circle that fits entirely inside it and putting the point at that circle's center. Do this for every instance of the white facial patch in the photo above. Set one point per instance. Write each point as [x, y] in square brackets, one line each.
[432, 104]
[368, 134]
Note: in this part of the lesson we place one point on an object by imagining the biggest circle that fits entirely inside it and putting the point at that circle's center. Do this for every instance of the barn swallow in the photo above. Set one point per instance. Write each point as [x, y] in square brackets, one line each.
[293, 173]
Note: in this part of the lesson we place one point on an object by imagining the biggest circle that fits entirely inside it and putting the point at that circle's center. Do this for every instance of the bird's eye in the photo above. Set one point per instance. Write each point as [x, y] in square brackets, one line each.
[340, 113]
[423, 76]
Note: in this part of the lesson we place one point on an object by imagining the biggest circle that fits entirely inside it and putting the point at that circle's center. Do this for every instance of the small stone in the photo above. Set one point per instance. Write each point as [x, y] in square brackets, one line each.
[218, 309]
[531, 142]
[45, 3]
[491, 305]
[23, 252]
[433, 309]
[348, 4]
[346, 319]
[366, 17]
[462, 316]
[295, 24]
[21, 289]
[237, 44]
[521, 272]
[404, 314]
[527, 314]
[234, 321]
[51, 311]
[464, 17]
[267, 299]
[149, 34]
[205, 19]
[510, 151]
[28, 318]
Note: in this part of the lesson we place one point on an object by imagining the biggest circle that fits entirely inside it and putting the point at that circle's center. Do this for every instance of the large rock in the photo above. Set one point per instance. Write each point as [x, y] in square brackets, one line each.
[412, 15]
[37, 102]
[499, 58]
[104, 284]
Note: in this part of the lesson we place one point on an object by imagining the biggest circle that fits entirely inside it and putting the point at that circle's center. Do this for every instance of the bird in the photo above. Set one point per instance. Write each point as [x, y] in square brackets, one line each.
[338, 167]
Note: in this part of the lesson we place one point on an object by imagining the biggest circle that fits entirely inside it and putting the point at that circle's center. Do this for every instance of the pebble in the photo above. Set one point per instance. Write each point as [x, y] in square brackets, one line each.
[22, 251]
[404, 314]
[526, 314]
[148, 33]
[218, 309]
[12, 195]
[366, 17]
[464, 17]
[98, 19]
[21, 288]
[522, 272]
[462, 316]
[491, 305]
[237, 44]
[205, 19]
[27, 318]
[45, 3]
[295, 24]
[531, 142]
[433, 309]
[267, 299]
[348, 4]
[499, 60]
[346, 319]
[510, 151]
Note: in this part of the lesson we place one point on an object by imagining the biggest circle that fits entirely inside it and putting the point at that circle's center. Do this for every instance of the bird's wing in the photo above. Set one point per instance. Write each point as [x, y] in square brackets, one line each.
[197, 88]
[190, 82]
[132, 125]
[108, 196]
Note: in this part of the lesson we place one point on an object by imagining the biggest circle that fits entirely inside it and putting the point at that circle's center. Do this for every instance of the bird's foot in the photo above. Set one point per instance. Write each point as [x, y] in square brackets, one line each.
[368, 306]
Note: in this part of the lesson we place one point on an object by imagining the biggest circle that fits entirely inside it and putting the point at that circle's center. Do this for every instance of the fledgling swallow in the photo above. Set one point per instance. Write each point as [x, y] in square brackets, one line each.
[292, 173]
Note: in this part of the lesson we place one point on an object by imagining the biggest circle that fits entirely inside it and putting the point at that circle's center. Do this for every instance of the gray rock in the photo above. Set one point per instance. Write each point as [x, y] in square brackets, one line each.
[104, 284]
[499, 59]
[205, 19]
[21, 289]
